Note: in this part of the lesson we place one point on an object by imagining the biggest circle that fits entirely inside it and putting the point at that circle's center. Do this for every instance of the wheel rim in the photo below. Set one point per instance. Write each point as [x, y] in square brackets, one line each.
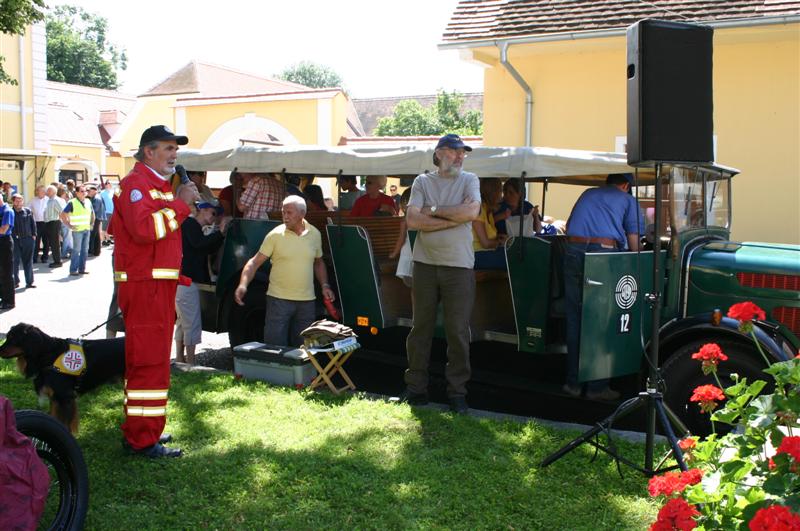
[61, 497]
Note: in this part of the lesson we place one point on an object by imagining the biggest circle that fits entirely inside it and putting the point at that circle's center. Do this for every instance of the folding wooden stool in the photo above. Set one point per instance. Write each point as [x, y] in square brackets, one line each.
[338, 353]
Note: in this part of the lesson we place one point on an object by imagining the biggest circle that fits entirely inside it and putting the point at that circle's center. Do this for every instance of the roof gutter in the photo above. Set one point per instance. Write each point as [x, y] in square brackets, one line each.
[503, 46]
[615, 32]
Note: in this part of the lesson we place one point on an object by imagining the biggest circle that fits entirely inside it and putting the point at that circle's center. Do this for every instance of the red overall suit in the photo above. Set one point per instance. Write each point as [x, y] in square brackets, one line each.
[147, 259]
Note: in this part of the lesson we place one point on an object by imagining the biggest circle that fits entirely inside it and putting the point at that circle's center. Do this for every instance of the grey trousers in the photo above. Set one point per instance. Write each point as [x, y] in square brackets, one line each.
[455, 288]
[285, 320]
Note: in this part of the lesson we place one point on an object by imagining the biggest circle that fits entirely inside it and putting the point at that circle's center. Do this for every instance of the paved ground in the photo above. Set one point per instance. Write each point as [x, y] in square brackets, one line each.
[65, 306]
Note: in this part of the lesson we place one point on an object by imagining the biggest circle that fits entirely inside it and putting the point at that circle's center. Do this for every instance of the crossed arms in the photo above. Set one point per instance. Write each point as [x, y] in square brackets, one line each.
[444, 217]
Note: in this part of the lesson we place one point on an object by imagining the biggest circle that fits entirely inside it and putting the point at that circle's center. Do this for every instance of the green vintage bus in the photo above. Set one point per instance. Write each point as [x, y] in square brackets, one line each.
[522, 308]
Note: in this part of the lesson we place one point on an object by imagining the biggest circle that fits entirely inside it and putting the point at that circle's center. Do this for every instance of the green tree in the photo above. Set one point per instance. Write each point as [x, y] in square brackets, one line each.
[445, 116]
[15, 16]
[78, 50]
[311, 75]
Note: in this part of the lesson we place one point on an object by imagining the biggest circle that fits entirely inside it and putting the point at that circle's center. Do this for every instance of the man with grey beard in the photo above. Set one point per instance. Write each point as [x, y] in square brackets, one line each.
[442, 207]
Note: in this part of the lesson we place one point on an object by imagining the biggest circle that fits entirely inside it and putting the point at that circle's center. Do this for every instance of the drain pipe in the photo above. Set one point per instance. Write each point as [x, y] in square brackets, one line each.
[503, 46]
[23, 87]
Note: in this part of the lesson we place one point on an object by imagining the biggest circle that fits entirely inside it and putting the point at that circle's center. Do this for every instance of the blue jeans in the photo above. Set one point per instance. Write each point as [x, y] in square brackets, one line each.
[286, 319]
[574, 258]
[495, 259]
[66, 241]
[23, 254]
[80, 248]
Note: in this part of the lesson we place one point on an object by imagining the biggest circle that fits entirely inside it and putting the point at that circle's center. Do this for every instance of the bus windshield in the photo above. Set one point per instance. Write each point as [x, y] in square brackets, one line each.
[699, 199]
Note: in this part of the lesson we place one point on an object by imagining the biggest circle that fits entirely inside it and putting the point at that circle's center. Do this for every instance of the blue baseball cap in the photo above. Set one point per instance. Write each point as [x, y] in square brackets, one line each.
[208, 204]
[452, 141]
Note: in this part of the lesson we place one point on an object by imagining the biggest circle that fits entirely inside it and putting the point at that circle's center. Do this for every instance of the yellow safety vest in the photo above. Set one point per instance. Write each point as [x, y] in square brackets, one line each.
[80, 218]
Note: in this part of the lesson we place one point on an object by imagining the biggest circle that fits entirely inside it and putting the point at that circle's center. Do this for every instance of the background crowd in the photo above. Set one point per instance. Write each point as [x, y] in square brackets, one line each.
[62, 220]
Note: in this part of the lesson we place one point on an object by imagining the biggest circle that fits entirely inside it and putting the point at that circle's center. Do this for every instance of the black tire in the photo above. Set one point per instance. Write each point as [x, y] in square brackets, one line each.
[682, 375]
[246, 323]
[68, 499]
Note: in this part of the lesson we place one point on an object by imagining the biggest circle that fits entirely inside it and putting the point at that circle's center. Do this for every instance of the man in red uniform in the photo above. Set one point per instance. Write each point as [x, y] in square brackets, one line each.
[147, 259]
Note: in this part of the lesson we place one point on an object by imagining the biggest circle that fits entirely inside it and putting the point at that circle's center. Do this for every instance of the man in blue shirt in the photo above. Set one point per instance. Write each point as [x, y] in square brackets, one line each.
[6, 256]
[107, 195]
[604, 219]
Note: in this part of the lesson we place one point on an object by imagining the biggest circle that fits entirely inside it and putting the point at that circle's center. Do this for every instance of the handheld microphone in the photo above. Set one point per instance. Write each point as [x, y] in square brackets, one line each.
[181, 171]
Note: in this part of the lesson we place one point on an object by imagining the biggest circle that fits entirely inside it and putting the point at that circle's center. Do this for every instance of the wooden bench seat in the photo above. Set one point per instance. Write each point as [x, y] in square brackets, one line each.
[490, 275]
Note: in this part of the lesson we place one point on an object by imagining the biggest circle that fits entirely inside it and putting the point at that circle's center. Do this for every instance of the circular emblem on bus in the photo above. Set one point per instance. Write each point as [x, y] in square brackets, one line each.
[625, 292]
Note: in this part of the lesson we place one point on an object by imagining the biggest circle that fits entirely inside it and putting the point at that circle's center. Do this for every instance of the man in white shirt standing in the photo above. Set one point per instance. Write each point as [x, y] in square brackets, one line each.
[37, 206]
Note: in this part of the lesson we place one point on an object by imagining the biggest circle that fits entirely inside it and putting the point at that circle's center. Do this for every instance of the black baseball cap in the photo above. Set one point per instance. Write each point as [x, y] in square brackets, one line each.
[452, 141]
[161, 132]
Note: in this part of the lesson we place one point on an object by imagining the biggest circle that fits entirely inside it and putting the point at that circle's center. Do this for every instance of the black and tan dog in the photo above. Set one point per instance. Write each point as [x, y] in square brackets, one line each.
[62, 369]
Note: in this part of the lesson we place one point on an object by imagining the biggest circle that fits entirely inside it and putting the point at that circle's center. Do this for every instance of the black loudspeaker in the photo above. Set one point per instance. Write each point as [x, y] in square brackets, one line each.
[670, 96]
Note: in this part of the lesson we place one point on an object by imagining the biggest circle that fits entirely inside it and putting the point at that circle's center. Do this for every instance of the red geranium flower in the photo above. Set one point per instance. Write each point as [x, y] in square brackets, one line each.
[707, 396]
[745, 312]
[687, 444]
[672, 482]
[790, 446]
[676, 514]
[775, 518]
[710, 354]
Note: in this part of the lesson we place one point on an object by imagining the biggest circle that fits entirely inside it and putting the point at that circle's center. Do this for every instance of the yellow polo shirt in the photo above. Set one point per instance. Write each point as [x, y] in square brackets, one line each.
[292, 256]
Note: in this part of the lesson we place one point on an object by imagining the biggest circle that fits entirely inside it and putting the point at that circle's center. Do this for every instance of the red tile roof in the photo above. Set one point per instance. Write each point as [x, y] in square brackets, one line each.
[207, 80]
[504, 19]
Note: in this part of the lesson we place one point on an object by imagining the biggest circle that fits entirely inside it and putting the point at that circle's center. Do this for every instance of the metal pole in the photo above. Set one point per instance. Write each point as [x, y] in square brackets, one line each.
[544, 196]
[655, 302]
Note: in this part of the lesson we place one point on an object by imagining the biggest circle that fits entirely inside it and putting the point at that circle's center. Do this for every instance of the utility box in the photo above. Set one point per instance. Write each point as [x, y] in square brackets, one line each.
[278, 365]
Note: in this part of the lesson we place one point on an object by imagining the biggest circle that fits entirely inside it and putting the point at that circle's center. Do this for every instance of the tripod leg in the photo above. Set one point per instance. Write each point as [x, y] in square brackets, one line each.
[624, 409]
[676, 421]
[667, 427]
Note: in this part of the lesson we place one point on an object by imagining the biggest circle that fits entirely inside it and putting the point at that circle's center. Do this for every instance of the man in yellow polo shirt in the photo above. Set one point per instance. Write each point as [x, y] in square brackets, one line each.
[295, 249]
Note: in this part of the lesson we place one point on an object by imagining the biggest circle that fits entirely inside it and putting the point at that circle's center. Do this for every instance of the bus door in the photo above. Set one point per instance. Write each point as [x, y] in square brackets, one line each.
[242, 240]
[356, 276]
[615, 319]
[529, 275]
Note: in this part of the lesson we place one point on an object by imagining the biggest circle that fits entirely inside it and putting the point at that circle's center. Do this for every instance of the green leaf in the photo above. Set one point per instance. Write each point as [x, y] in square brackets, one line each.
[785, 372]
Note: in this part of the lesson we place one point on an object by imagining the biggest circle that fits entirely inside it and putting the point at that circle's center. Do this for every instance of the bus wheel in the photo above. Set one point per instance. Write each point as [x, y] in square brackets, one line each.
[246, 323]
[682, 375]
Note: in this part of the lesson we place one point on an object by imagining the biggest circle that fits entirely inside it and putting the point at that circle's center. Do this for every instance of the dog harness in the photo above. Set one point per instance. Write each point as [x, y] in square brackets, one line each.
[73, 361]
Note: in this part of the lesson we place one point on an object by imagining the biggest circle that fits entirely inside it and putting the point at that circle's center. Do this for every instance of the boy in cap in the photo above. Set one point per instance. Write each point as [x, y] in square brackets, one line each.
[197, 246]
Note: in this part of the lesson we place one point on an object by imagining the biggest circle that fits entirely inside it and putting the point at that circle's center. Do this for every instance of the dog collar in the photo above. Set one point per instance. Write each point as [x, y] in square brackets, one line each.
[73, 361]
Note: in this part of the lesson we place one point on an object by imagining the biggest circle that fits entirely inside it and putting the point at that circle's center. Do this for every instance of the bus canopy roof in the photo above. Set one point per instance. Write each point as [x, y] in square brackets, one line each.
[537, 163]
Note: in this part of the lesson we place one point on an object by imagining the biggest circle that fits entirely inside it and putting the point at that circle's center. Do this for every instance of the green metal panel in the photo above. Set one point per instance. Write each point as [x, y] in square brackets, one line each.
[713, 282]
[242, 241]
[615, 322]
[528, 262]
[355, 275]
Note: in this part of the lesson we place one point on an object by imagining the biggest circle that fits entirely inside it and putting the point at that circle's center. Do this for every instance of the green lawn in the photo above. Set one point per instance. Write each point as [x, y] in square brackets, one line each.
[261, 457]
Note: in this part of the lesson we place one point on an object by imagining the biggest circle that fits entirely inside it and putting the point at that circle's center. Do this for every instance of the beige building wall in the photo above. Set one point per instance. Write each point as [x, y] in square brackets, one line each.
[298, 118]
[23, 120]
[579, 94]
[149, 110]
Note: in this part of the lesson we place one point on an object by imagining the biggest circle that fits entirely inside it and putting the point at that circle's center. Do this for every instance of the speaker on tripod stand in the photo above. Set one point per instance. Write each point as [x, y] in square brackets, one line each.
[670, 93]
[670, 120]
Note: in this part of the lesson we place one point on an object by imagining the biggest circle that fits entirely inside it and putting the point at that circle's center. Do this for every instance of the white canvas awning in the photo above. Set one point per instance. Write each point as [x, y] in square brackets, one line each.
[537, 163]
